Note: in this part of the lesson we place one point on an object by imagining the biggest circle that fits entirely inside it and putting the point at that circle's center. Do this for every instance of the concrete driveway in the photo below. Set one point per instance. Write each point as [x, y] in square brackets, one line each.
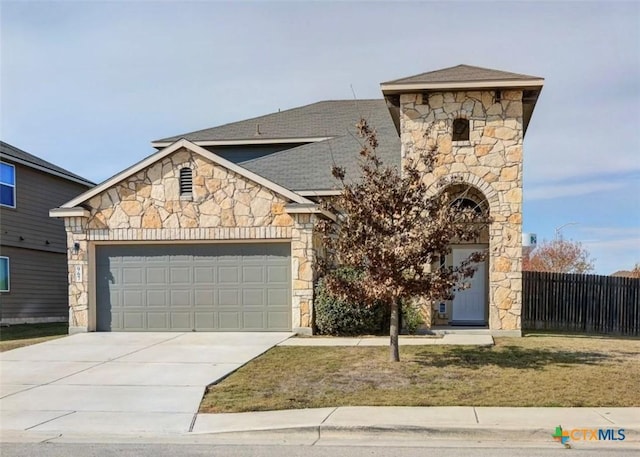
[119, 382]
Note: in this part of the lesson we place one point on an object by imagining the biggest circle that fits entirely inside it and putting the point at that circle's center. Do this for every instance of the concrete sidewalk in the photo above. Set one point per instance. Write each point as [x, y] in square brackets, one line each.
[374, 426]
[424, 423]
[447, 339]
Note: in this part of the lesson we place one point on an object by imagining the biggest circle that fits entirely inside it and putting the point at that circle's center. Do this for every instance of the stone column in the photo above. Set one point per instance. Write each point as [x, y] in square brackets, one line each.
[303, 256]
[78, 261]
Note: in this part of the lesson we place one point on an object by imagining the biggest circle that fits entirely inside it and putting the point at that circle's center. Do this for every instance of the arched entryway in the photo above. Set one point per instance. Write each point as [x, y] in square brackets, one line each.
[470, 303]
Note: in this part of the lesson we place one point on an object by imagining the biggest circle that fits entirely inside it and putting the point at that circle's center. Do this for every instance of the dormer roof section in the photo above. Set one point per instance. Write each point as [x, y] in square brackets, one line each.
[463, 77]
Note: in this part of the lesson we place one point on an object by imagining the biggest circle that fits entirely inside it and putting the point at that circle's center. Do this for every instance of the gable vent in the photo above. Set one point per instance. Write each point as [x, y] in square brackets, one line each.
[186, 181]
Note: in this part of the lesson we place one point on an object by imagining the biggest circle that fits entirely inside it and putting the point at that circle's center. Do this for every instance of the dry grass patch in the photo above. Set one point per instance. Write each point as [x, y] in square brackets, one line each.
[537, 370]
[16, 336]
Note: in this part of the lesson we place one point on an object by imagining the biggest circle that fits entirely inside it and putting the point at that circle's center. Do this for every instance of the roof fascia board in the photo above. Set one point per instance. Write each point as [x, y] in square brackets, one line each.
[391, 88]
[160, 144]
[309, 209]
[197, 149]
[26, 163]
[318, 193]
[69, 212]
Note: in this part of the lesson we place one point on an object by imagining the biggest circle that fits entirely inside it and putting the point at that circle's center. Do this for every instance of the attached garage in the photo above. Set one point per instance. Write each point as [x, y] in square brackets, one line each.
[186, 240]
[193, 287]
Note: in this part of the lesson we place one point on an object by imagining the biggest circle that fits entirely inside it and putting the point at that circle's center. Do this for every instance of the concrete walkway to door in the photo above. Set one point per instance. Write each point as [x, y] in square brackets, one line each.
[121, 382]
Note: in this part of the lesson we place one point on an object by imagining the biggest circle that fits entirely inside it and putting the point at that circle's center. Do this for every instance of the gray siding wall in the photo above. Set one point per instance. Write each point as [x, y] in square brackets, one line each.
[38, 285]
[36, 193]
[38, 270]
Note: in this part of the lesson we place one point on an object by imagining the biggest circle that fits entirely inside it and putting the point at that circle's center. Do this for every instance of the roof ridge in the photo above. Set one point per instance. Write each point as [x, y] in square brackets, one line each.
[263, 116]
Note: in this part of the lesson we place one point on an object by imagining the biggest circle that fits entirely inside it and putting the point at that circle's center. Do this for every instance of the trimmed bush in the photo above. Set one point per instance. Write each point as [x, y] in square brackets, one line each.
[342, 318]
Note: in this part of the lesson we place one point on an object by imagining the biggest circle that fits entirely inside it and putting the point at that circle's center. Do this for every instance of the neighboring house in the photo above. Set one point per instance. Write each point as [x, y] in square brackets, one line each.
[626, 274]
[215, 231]
[33, 247]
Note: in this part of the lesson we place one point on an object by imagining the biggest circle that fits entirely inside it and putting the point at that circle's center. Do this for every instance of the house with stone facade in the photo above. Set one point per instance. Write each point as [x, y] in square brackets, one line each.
[215, 230]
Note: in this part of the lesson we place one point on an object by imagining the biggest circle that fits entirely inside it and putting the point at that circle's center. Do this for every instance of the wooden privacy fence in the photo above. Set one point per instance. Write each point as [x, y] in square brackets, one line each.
[582, 303]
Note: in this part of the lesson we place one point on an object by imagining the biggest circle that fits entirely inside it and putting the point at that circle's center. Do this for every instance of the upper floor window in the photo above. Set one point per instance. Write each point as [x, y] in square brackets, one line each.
[7, 185]
[186, 181]
[4, 274]
[460, 130]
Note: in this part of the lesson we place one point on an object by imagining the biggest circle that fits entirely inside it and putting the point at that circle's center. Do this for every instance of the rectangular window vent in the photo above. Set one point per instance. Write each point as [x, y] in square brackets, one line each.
[186, 181]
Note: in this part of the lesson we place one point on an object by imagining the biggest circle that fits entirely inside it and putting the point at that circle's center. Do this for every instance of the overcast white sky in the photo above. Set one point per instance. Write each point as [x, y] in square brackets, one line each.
[88, 85]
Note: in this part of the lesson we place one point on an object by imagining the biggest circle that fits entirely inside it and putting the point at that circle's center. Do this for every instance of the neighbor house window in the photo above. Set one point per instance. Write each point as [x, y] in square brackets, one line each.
[7, 185]
[460, 130]
[4, 274]
[186, 181]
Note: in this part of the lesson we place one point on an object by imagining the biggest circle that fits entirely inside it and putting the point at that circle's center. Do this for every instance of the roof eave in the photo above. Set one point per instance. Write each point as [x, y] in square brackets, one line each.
[309, 209]
[47, 170]
[397, 88]
[69, 212]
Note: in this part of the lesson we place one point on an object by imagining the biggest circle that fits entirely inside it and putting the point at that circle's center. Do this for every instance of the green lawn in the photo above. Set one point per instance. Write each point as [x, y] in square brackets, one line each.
[16, 336]
[536, 370]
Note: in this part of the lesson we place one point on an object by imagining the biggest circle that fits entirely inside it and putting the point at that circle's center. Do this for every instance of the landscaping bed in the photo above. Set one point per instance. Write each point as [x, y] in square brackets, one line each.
[536, 370]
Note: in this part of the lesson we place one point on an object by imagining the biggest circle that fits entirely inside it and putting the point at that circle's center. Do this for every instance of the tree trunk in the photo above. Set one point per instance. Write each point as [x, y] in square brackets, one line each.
[394, 330]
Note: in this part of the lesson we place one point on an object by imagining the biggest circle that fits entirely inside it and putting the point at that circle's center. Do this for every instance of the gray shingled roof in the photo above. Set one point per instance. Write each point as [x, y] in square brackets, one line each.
[308, 167]
[462, 73]
[11, 152]
[321, 119]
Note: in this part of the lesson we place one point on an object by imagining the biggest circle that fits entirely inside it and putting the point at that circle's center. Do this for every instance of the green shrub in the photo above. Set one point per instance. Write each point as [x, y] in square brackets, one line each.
[334, 316]
[411, 318]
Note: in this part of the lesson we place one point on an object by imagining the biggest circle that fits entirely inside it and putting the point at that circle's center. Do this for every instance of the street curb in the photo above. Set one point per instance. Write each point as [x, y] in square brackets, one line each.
[414, 433]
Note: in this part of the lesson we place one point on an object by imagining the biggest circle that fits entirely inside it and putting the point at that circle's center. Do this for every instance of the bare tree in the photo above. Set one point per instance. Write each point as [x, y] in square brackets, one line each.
[391, 229]
[559, 256]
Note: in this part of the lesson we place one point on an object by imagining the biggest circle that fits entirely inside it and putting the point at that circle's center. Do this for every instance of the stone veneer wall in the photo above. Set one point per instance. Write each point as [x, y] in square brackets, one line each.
[491, 161]
[223, 206]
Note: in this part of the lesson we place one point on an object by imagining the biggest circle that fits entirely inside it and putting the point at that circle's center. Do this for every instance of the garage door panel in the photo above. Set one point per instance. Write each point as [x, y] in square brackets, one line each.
[181, 321]
[180, 298]
[228, 275]
[156, 298]
[157, 320]
[194, 287]
[109, 322]
[204, 275]
[253, 297]
[204, 298]
[205, 320]
[156, 275]
[132, 276]
[150, 259]
[278, 297]
[278, 319]
[253, 320]
[253, 274]
[228, 297]
[181, 275]
[133, 320]
[277, 273]
[229, 320]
